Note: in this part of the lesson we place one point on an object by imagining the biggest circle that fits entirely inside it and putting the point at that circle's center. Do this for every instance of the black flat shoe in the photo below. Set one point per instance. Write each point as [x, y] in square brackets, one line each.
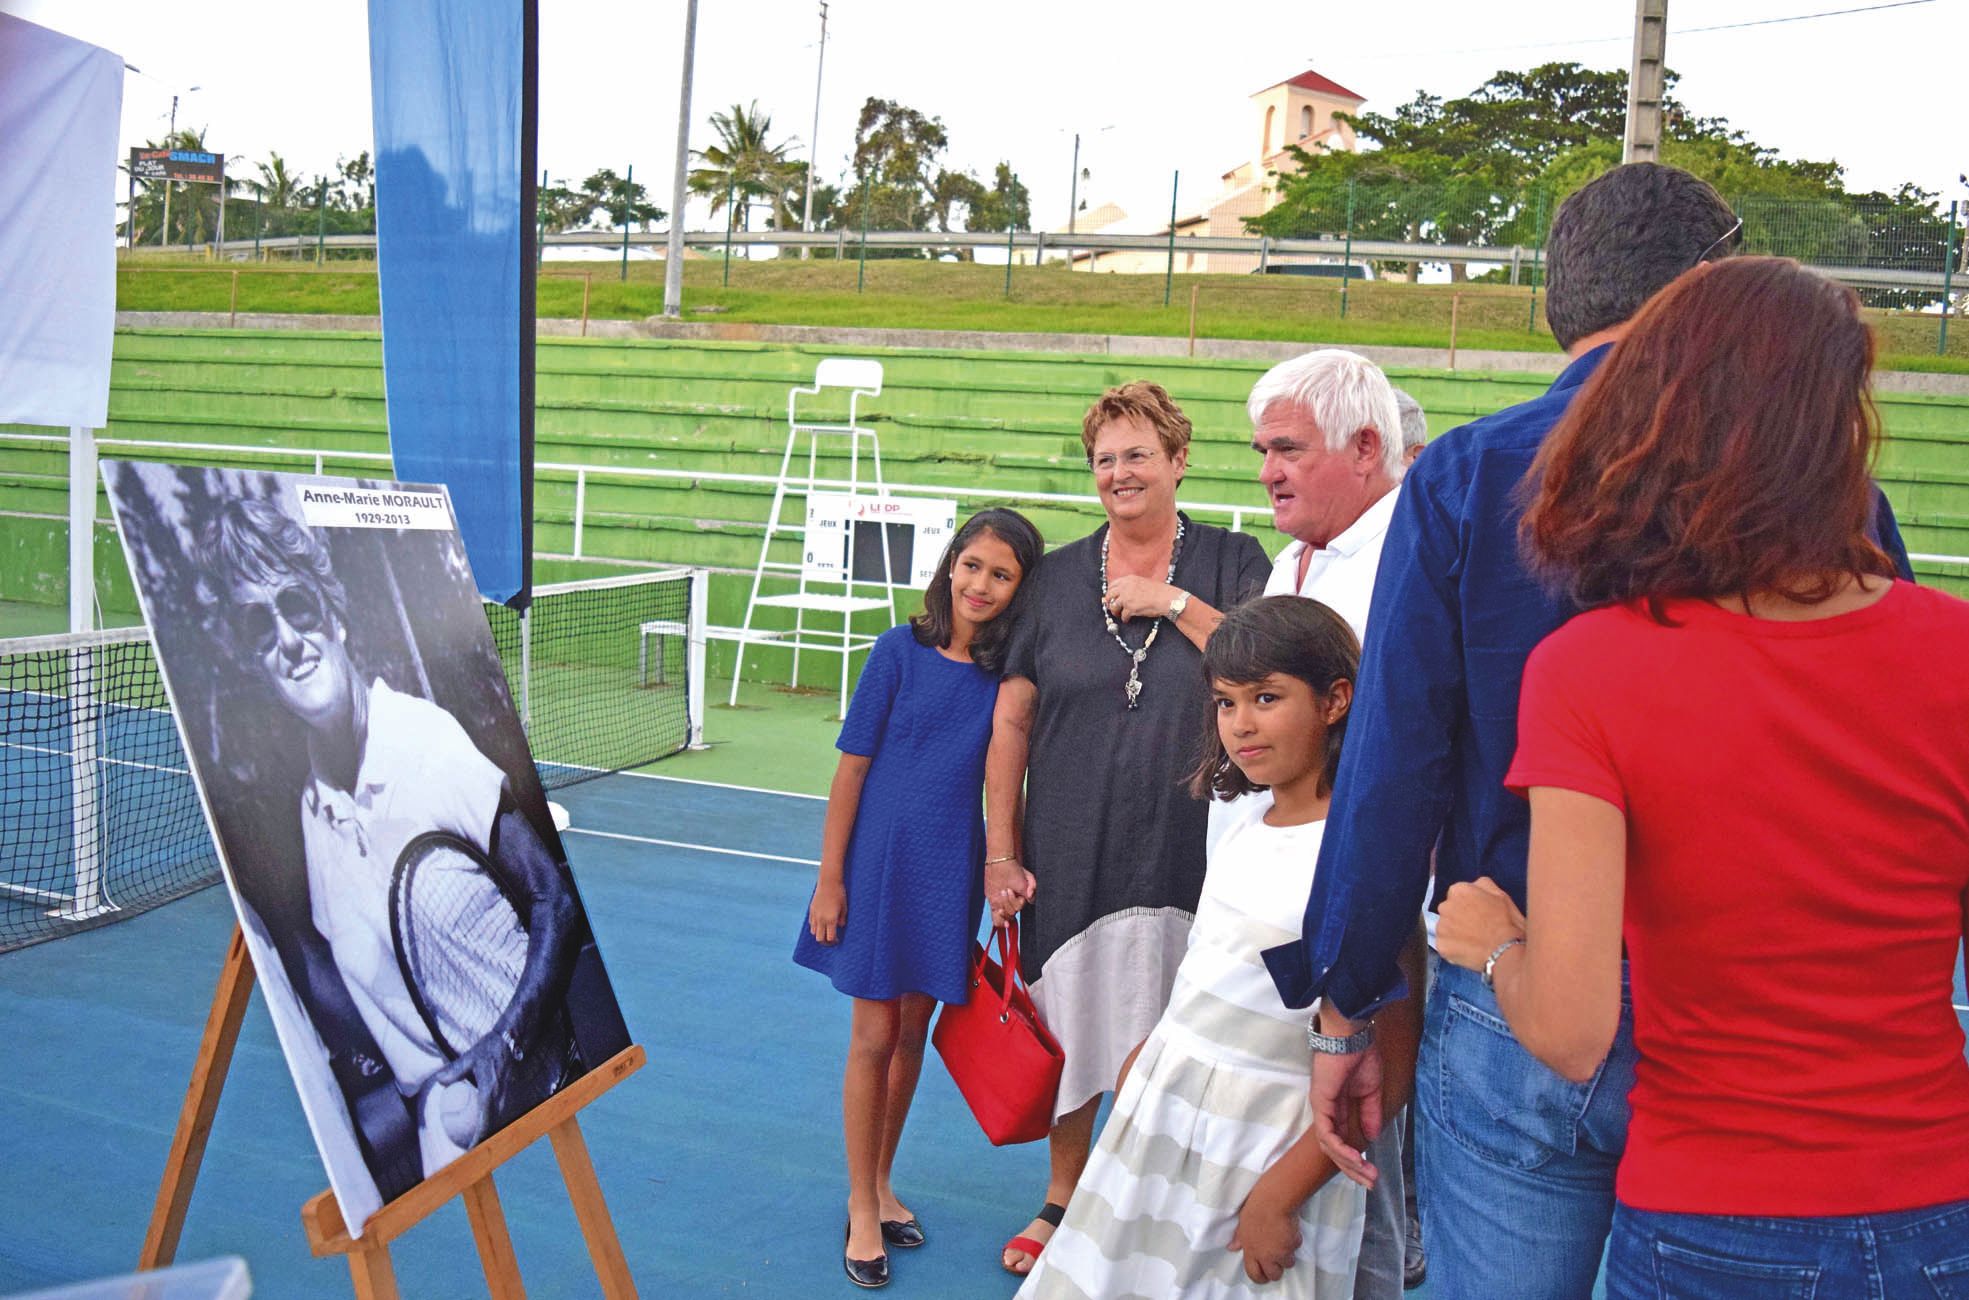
[906, 1234]
[865, 1273]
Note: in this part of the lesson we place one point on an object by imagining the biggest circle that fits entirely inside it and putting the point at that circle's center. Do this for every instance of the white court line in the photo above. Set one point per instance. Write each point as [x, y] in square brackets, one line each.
[701, 848]
[29, 891]
[716, 785]
[100, 758]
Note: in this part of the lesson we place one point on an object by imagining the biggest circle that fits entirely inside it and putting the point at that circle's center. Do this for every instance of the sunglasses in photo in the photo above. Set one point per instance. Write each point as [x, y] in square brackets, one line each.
[253, 625]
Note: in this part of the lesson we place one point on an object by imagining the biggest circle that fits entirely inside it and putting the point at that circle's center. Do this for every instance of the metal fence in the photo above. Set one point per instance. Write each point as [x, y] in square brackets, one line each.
[1905, 254]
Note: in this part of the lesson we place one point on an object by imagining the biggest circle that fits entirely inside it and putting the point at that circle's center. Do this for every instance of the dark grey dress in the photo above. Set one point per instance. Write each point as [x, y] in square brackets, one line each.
[1115, 841]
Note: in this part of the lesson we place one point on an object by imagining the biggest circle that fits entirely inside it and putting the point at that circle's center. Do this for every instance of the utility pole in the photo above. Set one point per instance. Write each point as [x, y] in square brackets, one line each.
[1645, 83]
[673, 257]
[1073, 189]
[813, 138]
[170, 142]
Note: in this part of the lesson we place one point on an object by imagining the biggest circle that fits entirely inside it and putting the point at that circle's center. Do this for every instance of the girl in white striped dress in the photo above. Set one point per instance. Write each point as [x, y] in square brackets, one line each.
[1208, 1181]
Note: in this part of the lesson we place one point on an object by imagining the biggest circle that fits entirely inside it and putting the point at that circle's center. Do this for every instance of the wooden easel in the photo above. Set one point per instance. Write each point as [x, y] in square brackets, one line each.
[469, 1176]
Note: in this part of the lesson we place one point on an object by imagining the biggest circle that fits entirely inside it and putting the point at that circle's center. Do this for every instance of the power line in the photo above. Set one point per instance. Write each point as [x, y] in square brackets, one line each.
[1677, 31]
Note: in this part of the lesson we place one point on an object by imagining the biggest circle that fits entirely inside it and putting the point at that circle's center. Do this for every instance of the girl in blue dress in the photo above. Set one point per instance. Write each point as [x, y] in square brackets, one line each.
[901, 888]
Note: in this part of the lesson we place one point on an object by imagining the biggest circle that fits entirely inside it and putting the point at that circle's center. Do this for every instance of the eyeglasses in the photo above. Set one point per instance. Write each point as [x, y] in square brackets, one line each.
[1726, 237]
[253, 624]
[1133, 458]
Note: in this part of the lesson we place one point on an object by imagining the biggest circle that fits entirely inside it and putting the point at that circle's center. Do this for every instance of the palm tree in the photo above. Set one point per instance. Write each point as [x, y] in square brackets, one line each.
[743, 164]
[277, 185]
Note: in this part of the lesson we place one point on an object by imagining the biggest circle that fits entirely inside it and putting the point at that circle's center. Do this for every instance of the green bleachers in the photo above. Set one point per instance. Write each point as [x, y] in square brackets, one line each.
[1005, 423]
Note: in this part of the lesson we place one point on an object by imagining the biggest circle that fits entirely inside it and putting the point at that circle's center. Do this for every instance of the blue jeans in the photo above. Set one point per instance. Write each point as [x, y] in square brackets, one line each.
[1907, 1255]
[1516, 1164]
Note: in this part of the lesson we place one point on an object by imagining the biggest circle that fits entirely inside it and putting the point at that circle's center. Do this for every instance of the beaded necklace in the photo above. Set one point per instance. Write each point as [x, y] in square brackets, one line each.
[1135, 657]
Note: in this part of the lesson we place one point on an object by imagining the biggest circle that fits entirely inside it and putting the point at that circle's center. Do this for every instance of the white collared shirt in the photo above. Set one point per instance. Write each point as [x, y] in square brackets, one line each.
[1341, 573]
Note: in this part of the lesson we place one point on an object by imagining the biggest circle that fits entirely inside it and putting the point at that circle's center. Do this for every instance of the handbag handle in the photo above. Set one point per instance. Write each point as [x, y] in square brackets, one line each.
[1007, 936]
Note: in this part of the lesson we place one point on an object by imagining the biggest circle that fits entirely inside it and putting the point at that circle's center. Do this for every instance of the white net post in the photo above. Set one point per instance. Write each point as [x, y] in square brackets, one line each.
[699, 620]
[85, 839]
[526, 668]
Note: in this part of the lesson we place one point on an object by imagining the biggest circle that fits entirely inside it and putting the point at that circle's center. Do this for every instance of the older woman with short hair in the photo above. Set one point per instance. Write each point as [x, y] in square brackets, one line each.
[1096, 718]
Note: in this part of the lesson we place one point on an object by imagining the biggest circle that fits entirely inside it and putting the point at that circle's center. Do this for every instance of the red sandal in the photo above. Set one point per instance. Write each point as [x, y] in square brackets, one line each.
[1049, 1213]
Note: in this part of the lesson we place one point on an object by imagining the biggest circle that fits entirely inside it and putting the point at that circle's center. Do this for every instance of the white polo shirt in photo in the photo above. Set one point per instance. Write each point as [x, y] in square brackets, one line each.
[1340, 574]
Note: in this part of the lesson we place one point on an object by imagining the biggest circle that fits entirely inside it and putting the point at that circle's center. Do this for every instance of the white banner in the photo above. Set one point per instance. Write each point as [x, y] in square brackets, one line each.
[60, 100]
[351, 507]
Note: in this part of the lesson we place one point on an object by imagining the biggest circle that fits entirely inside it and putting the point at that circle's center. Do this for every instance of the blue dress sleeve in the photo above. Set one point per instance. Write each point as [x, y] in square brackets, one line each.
[875, 695]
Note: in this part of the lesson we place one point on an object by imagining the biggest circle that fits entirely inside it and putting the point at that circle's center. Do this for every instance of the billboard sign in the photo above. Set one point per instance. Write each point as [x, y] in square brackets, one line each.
[177, 165]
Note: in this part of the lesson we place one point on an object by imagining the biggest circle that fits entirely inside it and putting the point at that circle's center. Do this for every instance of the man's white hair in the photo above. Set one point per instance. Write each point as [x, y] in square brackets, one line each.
[1415, 425]
[1342, 392]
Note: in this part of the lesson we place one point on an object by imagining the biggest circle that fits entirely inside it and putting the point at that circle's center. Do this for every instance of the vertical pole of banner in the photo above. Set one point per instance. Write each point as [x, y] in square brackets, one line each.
[321, 217]
[85, 836]
[1347, 257]
[1948, 278]
[1169, 270]
[1537, 261]
[731, 184]
[861, 271]
[627, 182]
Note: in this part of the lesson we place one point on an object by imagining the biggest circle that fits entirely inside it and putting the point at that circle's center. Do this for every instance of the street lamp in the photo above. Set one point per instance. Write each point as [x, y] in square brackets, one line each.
[1079, 174]
[813, 140]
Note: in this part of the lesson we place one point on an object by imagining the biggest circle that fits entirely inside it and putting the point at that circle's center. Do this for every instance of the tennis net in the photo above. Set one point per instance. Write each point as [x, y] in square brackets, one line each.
[607, 673]
[100, 817]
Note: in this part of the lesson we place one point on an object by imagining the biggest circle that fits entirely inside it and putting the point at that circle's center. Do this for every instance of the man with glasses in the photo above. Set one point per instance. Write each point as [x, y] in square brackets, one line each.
[383, 768]
[1516, 1163]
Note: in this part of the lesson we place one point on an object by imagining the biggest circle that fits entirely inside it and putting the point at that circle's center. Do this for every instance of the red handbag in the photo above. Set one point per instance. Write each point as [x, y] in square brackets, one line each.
[999, 1054]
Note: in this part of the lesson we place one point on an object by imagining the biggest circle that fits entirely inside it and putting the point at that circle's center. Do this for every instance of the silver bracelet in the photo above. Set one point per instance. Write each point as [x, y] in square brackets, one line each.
[1490, 962]
[1330, 1045]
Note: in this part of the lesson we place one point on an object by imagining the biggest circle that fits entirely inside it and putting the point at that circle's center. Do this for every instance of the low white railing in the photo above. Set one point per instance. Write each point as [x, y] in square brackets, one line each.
[318, 459]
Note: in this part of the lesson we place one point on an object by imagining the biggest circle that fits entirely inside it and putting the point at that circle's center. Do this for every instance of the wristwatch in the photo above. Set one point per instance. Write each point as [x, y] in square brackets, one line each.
[1178, 605]
[1329, 1045]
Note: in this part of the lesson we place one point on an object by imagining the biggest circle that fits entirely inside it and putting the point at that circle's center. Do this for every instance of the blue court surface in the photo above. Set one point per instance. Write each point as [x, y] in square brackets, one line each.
[720, 1159]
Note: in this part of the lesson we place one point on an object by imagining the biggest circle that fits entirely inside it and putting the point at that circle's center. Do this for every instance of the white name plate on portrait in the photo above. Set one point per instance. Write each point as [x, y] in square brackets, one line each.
[344, 507]
[911, 530]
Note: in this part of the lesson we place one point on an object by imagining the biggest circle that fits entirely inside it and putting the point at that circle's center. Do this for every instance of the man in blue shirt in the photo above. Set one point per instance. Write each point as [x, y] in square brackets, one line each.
[1516, 1163]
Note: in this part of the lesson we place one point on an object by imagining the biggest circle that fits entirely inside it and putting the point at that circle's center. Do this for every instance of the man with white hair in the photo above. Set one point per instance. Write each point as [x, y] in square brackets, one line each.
[1415, 426]
[1328, 428]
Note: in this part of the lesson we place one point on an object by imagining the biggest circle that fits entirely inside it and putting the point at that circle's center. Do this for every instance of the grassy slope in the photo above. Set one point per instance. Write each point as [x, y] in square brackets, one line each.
[899, 294]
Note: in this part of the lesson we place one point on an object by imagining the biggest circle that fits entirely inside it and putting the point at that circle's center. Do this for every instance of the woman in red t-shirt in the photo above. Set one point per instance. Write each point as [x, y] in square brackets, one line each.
[1748, 769]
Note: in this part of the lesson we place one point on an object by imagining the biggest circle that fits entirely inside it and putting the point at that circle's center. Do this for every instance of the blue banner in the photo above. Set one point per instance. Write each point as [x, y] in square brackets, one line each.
[452, 85]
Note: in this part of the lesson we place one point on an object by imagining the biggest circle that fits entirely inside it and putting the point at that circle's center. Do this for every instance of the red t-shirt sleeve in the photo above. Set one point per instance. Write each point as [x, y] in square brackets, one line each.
[1562, 705]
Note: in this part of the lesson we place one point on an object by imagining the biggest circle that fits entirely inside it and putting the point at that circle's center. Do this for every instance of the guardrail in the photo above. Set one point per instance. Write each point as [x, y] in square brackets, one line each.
[1039, 243]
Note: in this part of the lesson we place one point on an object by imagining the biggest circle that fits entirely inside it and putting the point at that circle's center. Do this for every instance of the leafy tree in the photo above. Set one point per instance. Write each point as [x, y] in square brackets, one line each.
[620, 200]
[953, 197]
[894, 164]
[1005, 206]
[562, 207]
[746, 165]
[355, 183]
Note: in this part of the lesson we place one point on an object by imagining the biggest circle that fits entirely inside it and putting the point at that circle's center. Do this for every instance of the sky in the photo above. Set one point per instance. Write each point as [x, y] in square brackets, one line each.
[1156, 93]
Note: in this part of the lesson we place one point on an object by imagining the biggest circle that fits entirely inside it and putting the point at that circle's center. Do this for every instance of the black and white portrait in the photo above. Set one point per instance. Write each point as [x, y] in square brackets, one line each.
[400, 882]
